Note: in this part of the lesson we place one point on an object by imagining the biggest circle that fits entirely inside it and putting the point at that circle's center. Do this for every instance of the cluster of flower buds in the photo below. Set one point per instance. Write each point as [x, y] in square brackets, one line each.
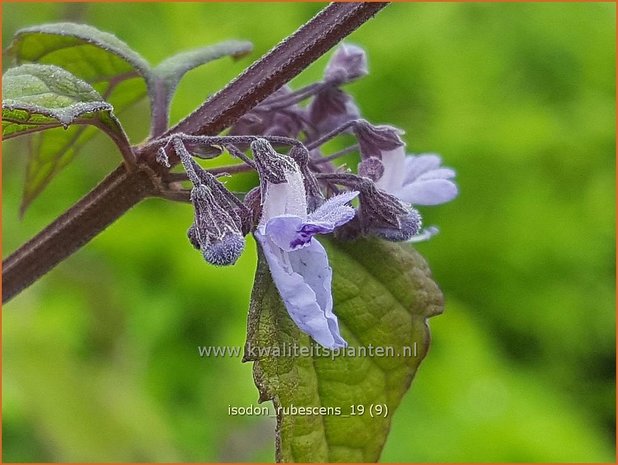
[221, 219]
[302, 193]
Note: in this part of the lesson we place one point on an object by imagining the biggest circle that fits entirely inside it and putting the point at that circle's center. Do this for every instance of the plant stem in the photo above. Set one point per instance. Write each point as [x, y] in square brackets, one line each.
[330, 135]
[230, 169]
[121, 189]
[283, 63]
[334, 156]
[116, 194]
[159, 106]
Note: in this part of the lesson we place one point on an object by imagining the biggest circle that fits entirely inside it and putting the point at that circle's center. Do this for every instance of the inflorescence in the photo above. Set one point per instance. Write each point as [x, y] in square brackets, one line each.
[303, 192]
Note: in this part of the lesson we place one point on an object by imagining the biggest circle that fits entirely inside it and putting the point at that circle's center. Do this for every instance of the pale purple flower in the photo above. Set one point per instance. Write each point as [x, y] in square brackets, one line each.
[298, 262]
[416, 179]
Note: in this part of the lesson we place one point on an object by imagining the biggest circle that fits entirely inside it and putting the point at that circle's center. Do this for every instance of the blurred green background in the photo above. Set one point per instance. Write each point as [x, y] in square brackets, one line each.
[100, 357]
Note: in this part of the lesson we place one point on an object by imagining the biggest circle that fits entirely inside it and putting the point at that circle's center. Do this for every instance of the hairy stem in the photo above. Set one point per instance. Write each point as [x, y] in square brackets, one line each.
[279, 66]
[121, 189]
[116, 194]
[334, 156]
[159, 106]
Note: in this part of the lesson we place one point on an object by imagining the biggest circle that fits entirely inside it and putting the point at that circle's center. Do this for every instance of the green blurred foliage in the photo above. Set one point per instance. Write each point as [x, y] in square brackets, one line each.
[100, 357]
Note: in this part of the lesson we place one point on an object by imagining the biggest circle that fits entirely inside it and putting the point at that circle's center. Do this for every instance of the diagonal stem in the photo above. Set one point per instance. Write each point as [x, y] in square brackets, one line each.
[116, 194]
[279, 66]
[121, 190]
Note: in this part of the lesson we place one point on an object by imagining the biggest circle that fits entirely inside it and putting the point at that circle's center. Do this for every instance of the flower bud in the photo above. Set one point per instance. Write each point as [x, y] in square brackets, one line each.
[284, 122]
[314, 196]
[225, 251]
[371, 168]
[281, 182]
[331, 108]
[214, 231]
[373, 140]
[271, 166]
[409, 226]
[253, 202]
[379, 209]
[349, 62]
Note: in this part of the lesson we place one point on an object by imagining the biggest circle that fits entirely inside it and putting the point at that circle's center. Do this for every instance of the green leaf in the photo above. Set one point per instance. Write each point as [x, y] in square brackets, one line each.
[168, 74]
[172, 69]
[383, 294]
[40, 97]
[95, 56]
[109, 65]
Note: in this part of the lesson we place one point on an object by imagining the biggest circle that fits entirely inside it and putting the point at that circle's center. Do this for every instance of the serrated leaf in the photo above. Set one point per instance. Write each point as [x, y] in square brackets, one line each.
[109, 65]
[120, 74]
[41, 97]
[383, 294]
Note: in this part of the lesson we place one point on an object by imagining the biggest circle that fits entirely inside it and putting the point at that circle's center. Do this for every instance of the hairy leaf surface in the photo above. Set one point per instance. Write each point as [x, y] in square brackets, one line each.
[95, 56]
[109, 65]
[41, 97]
[113, 69]
[173, 68]
[169, 72]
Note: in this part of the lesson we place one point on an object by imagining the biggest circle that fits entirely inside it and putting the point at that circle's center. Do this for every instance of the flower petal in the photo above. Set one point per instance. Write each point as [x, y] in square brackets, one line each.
[439, 173]
[291, 232]
[334, 212]
[286, 198]
[284, 230]
[424, 235]
[303, 278]
[417, 165]
[394, 162]
[430, 192]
